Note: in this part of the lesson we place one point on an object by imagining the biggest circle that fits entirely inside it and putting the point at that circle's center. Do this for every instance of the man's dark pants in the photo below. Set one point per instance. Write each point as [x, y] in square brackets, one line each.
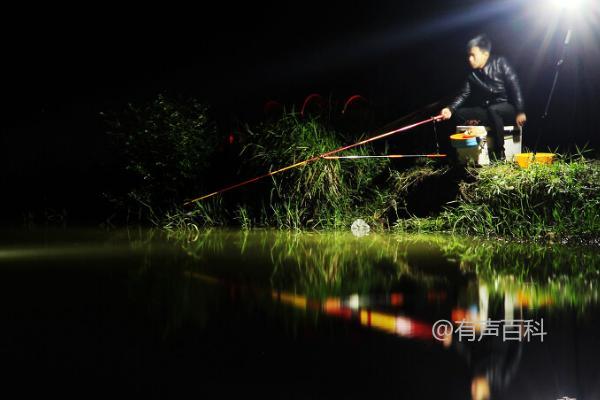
[494, 116]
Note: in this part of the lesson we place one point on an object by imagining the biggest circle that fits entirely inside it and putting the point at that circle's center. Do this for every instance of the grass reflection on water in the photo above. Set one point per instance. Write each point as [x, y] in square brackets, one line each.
[321, 265]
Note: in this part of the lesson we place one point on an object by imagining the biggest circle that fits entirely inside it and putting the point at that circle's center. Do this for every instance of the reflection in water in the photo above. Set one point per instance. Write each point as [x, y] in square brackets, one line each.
[351, 309]
[319, 265]
[401, 284]
[242, 306]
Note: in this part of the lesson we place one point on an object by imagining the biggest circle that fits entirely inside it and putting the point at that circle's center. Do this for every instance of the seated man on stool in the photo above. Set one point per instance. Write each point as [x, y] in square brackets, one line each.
[487, 91]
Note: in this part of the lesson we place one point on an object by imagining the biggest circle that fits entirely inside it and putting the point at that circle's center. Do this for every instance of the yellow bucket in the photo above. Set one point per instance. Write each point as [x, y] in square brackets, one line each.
[525, 159]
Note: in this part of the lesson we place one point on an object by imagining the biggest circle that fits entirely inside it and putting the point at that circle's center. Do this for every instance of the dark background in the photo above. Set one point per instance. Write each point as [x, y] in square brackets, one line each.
[63, 66]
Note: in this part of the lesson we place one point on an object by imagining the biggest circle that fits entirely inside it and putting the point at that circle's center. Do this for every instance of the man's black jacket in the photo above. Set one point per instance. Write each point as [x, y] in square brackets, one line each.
[490, 85]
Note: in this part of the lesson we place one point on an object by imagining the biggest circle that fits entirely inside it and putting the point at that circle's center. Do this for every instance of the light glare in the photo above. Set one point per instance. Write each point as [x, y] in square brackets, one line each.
[567, 4]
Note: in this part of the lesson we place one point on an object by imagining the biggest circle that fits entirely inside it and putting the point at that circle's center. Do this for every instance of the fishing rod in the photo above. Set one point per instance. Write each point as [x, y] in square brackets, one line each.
[320, 156]
[385, 156]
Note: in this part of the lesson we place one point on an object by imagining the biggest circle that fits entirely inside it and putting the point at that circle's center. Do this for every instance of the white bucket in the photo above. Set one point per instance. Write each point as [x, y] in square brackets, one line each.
[480, 155]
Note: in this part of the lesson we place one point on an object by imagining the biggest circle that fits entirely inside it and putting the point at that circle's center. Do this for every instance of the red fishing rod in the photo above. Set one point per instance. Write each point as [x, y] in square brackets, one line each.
[315, 158]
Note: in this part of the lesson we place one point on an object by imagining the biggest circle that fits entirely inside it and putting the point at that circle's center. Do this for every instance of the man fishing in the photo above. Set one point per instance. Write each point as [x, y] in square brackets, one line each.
[491, 94]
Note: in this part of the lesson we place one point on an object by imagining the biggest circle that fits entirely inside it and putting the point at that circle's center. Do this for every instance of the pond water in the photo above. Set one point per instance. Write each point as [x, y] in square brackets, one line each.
[297, 315]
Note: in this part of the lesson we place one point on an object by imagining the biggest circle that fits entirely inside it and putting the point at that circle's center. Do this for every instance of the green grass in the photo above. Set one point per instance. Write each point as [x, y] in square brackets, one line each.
[321, 195]
[553, 202]
[324, 194]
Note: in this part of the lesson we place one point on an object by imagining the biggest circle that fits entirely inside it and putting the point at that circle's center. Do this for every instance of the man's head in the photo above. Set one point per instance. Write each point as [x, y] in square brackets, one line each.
[478, 50]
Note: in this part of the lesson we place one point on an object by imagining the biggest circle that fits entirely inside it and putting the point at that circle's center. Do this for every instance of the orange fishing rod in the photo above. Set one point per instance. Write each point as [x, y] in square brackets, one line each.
[320, 156]
[385, 156]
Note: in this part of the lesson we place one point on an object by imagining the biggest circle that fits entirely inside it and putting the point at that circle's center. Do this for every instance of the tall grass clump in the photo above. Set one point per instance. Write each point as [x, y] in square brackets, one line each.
[321, 194]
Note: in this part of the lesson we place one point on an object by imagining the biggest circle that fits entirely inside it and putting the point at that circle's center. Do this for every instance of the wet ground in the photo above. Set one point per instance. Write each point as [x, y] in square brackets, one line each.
[284, 315]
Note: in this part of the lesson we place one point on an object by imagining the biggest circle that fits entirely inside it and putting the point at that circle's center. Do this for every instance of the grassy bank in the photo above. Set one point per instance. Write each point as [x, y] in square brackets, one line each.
[171, 152]
[557, 202]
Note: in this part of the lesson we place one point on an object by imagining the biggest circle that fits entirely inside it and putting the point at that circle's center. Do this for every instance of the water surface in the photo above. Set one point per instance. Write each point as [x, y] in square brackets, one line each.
[293, 315]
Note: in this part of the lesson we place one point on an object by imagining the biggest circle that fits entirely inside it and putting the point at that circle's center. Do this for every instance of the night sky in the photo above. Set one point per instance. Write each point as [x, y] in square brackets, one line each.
[63, 66]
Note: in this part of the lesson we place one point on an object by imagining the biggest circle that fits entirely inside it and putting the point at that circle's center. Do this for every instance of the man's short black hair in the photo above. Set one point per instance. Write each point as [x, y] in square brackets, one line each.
[481, 41]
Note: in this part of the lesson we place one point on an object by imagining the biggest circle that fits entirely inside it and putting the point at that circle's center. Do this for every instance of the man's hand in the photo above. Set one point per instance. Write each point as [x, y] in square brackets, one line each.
[447, 114]
[521, 119]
